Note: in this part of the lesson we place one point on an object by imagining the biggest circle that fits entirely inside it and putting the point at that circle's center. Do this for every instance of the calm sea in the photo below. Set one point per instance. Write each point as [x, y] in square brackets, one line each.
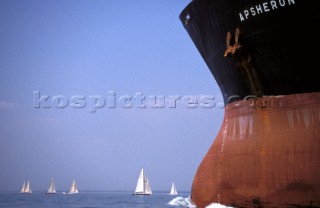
[92, 200]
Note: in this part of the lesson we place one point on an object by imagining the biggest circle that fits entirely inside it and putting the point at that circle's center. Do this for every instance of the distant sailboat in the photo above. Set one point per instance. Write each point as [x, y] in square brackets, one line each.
[143, 186]
[26, 189]
[73, 188]
[173, 190]
[52, 188]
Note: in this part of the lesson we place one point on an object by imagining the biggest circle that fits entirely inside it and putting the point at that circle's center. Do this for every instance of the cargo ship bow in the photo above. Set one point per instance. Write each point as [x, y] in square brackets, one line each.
[264, 56]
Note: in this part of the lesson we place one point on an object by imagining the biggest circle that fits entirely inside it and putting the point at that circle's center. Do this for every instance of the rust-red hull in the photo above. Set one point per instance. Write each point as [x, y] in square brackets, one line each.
[266, 154]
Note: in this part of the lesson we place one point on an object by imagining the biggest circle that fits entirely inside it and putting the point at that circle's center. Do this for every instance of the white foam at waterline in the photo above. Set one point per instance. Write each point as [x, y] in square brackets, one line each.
[186, 202]
[180, 201]
[216, 205]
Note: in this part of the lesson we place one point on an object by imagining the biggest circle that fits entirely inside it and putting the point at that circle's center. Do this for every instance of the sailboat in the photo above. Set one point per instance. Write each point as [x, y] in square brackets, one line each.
[173, 190]
[52, 188]
[26, 189]
[143, 186]
[73, 188]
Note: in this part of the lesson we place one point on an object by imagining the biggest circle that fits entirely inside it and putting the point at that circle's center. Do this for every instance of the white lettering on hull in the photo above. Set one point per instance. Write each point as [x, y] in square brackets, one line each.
[264, 7]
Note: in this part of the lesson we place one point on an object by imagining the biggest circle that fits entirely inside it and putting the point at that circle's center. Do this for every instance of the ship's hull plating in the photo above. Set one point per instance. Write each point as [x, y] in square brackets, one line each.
[267, 153]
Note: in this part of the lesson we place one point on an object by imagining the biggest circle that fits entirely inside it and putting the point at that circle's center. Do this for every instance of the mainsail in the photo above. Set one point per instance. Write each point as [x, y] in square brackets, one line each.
[23, 187]
[52, 188]
[73, 188]
[28, 188]
[143, 186]
[173, 190]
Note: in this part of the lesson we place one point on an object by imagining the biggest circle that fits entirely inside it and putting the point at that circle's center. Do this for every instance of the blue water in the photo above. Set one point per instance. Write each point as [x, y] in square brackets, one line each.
[87, 200]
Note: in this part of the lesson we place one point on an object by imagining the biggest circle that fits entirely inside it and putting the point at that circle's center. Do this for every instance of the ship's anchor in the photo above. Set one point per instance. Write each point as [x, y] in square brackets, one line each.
[231, 49]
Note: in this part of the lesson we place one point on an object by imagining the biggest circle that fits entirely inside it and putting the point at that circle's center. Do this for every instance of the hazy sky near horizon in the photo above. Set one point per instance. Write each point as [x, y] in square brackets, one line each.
[73, 75]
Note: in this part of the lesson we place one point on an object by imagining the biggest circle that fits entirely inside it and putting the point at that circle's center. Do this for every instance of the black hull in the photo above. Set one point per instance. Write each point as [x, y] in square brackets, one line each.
[277, 55]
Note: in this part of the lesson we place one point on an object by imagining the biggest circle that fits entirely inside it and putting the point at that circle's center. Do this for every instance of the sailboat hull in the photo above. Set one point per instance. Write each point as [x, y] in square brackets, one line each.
[141, 194]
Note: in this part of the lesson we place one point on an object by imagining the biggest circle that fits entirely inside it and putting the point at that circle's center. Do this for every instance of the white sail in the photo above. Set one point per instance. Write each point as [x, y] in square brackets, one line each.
[173, 190]
[52, 188]
[147, 187]
[23, 187]
[143, 186]
[140, 183]
[73, 188]
[28, 188]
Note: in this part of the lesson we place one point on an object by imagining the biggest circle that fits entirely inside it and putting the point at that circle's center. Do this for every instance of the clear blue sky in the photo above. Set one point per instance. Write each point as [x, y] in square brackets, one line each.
[86, 48]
